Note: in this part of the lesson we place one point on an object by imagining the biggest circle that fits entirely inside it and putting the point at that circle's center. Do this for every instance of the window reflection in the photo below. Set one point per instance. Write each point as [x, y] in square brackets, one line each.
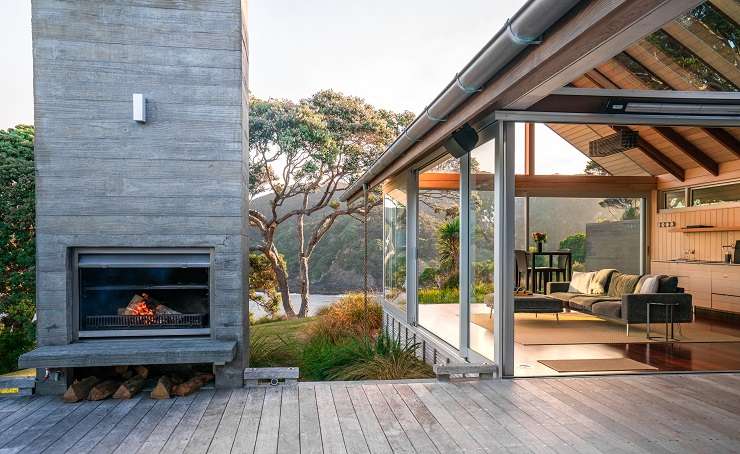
[394, 243]
[703, 76]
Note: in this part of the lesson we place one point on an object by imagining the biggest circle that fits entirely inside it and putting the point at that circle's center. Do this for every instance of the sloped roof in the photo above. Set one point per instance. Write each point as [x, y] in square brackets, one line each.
[696, 51]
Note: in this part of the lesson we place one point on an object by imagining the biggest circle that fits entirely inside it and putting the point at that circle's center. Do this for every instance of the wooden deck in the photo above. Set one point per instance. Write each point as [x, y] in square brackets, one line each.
[668, 414]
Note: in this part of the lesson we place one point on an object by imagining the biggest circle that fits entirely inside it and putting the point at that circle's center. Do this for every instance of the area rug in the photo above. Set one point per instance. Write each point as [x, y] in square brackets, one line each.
[595, 365]
[577, 328]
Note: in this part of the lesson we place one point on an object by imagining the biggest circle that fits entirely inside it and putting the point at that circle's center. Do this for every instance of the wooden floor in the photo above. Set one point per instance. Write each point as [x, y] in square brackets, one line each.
[656, 414]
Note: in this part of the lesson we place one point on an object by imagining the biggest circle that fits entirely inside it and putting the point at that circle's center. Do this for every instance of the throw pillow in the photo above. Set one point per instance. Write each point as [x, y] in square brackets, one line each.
[668, 284]
[621, 284]
[650, 285]
[580, 281]
[600, 282]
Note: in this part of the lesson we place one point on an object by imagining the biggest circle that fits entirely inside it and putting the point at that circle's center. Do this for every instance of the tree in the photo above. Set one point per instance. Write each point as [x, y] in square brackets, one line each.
[17, 244]
[263, 286]
[576, 243]
[310, 151]
[448, 248]
[630, 207]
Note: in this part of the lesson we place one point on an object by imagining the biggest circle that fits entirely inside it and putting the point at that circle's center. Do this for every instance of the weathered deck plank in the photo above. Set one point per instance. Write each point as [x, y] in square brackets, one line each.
[588, 415]
[180, 436]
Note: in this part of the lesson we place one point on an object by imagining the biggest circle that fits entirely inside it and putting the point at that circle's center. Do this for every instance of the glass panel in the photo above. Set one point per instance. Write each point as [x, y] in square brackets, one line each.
[651, 81]
[674, 199]
[555, 155]
[714, 28]
[599, 233]
[394, 243]
[438, 249]
[481, 249]
[703, 76]
[716, 194]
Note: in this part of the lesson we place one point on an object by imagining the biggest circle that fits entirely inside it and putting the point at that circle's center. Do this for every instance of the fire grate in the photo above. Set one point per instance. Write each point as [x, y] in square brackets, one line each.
[146, 321]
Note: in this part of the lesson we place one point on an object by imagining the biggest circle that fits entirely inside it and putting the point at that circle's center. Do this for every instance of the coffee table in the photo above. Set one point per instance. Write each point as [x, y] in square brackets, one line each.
[535, 303]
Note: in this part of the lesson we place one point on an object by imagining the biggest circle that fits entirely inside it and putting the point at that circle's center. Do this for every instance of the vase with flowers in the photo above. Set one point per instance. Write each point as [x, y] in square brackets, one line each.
[539, 238]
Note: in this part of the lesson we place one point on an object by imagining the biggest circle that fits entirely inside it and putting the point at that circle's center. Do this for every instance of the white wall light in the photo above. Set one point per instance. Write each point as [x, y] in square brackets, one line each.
[139, 108]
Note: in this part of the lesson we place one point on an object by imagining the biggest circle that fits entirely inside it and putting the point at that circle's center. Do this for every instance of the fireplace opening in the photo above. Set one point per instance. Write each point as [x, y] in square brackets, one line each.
[125, 294]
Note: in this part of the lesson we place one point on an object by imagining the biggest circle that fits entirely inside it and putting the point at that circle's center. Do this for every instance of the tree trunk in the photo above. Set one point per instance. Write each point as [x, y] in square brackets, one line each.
[305, 285]
[303, 261]
[282, 279]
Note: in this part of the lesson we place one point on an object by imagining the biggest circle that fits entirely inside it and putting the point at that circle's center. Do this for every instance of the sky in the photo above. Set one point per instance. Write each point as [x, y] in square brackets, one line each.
[395, 54]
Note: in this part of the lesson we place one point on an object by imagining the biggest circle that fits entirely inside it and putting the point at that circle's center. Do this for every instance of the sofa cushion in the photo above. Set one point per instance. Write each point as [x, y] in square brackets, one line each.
[564, 296]
[600, 282]
[642, 280]
[650, 285]
[612, 309]
[620, 284]
[586, 301]
[580, 281]
[668, 284]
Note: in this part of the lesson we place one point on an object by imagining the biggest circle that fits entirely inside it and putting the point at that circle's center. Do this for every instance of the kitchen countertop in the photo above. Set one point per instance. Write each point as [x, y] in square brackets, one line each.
[698, 262]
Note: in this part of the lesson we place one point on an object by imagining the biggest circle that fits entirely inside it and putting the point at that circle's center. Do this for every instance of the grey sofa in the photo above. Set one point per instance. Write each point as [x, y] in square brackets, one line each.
[622, 301]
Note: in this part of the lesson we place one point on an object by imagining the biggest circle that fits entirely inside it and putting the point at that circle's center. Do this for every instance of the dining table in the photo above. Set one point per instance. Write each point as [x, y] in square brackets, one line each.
[549, 267]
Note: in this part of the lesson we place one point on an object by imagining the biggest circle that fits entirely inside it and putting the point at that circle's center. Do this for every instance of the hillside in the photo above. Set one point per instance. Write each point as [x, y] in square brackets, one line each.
[337, 263]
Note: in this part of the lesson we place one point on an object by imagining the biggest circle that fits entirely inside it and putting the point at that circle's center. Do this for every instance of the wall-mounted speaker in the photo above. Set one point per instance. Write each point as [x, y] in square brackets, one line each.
[462, 141]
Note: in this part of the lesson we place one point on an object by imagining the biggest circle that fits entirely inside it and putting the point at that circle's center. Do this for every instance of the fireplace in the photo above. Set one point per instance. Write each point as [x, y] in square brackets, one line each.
[134, 293]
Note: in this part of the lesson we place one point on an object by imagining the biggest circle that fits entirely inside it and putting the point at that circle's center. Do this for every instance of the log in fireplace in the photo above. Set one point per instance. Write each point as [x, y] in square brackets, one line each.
[142, 293]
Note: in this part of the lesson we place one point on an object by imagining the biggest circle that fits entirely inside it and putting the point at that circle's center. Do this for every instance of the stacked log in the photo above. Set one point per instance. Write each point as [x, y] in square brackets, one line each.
[192, 385]
[130, 387]
[126, 382]
[103, 390]
[163, 389]
[80, 389]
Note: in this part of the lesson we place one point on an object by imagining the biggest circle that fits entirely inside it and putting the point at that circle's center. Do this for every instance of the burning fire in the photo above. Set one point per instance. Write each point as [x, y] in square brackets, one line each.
[141, 308]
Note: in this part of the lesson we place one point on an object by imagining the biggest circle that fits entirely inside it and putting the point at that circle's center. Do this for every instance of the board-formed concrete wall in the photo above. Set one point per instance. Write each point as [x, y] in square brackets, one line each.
[179, 180]
[613, 245]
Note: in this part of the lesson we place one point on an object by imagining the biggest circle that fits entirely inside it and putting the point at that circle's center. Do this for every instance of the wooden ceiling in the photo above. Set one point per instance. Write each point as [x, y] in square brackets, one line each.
[663, 150]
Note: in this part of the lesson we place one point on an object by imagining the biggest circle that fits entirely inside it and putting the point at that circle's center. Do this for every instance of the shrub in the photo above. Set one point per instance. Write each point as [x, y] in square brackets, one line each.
[361, 358]
[349, 317]
[272, 351]
[388, 360]
[17, 245]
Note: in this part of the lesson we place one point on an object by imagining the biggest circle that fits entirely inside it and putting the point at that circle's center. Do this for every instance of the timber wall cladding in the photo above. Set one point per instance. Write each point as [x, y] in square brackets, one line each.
[668, 245]
[106, 181]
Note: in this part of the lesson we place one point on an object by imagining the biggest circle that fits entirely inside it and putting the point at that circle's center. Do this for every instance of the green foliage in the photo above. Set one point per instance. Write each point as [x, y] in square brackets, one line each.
[263, 286]
[452, 295]
[577, 245]
[361, 358]
[17, 244]
[278, 343]
[335, 346]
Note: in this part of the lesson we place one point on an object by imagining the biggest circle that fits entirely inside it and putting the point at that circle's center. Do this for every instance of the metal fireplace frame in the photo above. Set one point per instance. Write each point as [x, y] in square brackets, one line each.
[74, 269]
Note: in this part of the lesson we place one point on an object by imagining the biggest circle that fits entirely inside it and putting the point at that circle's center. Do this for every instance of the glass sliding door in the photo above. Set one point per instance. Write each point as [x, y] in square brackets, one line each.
[481, 258]
[438, 249]
[394, 242]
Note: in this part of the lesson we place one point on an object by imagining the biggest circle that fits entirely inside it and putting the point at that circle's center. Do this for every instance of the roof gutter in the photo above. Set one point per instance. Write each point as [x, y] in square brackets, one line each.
[522, 30]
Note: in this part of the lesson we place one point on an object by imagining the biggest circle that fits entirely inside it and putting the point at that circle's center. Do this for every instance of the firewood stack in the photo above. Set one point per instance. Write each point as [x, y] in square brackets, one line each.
[126, 382]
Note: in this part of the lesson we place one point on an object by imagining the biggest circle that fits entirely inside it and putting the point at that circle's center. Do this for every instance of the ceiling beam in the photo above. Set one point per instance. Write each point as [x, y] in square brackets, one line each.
[689, 149]
[724, 138]
[671, 135]
[656, 155]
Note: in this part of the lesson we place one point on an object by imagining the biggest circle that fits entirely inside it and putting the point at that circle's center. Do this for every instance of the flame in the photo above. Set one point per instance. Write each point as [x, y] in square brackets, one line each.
[141, 309]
